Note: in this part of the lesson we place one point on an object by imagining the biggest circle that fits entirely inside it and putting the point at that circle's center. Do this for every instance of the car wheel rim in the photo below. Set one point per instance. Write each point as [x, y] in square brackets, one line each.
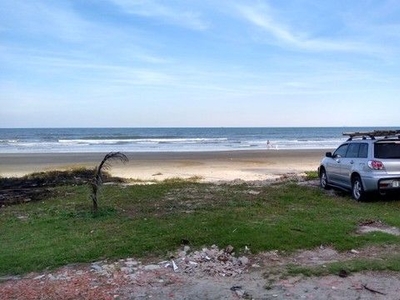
[323, 179]
[357, 190]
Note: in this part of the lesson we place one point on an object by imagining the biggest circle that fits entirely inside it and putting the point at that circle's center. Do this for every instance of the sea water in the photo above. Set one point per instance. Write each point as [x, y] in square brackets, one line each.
[58, 140]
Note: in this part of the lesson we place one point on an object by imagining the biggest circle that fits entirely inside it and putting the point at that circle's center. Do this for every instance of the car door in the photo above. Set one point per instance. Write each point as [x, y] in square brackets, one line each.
[334, 164]
[347, 164]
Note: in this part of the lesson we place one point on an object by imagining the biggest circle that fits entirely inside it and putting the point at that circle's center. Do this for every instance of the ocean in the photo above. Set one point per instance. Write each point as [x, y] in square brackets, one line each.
[58, 140]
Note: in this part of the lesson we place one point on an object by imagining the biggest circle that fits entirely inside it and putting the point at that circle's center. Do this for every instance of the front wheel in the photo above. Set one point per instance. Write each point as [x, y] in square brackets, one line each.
[357, 189]
[323, 180]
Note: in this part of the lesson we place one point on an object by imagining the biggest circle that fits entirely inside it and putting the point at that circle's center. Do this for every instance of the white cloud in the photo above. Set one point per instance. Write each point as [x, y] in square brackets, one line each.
[173, 15]
[262, 17]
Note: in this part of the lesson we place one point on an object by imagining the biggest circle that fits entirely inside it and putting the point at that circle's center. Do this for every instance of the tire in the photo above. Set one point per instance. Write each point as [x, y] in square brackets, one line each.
[323, 180]
[357, 189]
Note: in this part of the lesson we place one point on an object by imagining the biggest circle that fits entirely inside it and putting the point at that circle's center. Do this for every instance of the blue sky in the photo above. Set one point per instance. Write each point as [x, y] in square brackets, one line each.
[179, 63]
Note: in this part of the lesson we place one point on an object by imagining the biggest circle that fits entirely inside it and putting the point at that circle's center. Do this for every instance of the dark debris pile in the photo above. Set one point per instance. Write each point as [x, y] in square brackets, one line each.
[38, 186]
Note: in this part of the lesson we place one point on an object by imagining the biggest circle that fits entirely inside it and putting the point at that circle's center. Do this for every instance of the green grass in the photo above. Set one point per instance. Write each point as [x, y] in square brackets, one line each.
[151, 220]
[312, 175]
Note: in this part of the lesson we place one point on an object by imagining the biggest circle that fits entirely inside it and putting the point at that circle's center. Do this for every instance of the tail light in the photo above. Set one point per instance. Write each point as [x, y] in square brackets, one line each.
[375, 165]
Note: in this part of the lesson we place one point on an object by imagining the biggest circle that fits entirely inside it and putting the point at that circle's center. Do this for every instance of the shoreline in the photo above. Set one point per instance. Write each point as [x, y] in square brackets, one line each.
[247, 165]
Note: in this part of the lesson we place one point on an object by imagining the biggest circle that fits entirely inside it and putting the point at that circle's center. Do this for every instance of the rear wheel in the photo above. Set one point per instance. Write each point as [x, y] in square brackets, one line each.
[323, 180]
[357, 189]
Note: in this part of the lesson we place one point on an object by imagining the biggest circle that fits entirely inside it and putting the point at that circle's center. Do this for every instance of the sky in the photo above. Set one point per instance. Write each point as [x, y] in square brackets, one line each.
[184, 63]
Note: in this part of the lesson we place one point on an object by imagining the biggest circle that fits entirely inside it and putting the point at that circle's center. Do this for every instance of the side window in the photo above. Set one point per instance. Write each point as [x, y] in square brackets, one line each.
[363, 152]
[352, 152]
[341, 151]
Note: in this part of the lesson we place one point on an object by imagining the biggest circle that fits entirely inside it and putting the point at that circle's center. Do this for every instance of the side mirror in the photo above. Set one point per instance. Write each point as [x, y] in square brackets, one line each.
[328, 154]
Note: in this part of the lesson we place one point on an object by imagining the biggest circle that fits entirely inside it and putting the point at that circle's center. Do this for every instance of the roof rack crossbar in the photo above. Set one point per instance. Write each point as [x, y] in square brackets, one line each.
[373, 134]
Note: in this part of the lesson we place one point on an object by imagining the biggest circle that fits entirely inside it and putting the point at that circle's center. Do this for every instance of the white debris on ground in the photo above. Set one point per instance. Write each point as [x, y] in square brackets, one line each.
[210, 273]
[209, 261]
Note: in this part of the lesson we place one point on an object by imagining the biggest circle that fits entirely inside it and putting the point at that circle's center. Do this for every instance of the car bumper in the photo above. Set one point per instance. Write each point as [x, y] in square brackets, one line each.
[381, 185]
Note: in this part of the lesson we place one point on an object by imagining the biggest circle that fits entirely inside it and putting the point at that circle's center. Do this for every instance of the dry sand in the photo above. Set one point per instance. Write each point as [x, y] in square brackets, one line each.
[208, 166]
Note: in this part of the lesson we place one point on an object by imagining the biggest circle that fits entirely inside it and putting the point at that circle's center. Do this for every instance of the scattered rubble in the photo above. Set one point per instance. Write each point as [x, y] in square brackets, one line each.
[210, 273]
[131, 279]
[209, 261]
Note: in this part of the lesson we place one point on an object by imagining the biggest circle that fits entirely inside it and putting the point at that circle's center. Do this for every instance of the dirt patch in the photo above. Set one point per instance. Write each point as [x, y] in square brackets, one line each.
[369, 285]
[377, 226]
[209, 273]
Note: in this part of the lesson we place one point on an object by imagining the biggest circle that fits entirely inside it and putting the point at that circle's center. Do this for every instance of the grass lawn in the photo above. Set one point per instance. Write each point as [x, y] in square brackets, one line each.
[151, 220]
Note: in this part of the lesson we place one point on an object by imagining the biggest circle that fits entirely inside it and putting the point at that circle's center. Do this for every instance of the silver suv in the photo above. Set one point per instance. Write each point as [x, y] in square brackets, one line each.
[367, 162]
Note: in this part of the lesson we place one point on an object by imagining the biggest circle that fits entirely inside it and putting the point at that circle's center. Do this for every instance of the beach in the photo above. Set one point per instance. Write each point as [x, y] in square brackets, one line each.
[248, 165]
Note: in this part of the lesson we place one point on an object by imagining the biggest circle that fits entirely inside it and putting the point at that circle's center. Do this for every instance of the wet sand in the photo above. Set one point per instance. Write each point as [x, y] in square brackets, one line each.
[208, 166]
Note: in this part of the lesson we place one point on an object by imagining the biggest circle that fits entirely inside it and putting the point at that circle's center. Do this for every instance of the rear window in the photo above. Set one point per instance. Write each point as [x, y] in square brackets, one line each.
[387, 150]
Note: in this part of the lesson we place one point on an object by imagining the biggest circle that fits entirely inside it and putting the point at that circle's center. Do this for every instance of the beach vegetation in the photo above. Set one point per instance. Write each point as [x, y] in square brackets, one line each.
[183, 180]
[49, 178]
[152, 220]
[97, 181]
[311, 175]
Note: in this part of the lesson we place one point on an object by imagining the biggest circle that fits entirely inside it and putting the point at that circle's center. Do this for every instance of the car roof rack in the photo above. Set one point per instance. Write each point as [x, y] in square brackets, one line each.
[373, 134]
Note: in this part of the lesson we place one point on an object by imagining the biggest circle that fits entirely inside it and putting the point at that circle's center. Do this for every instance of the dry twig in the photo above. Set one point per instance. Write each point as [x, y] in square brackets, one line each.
[372, 290]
